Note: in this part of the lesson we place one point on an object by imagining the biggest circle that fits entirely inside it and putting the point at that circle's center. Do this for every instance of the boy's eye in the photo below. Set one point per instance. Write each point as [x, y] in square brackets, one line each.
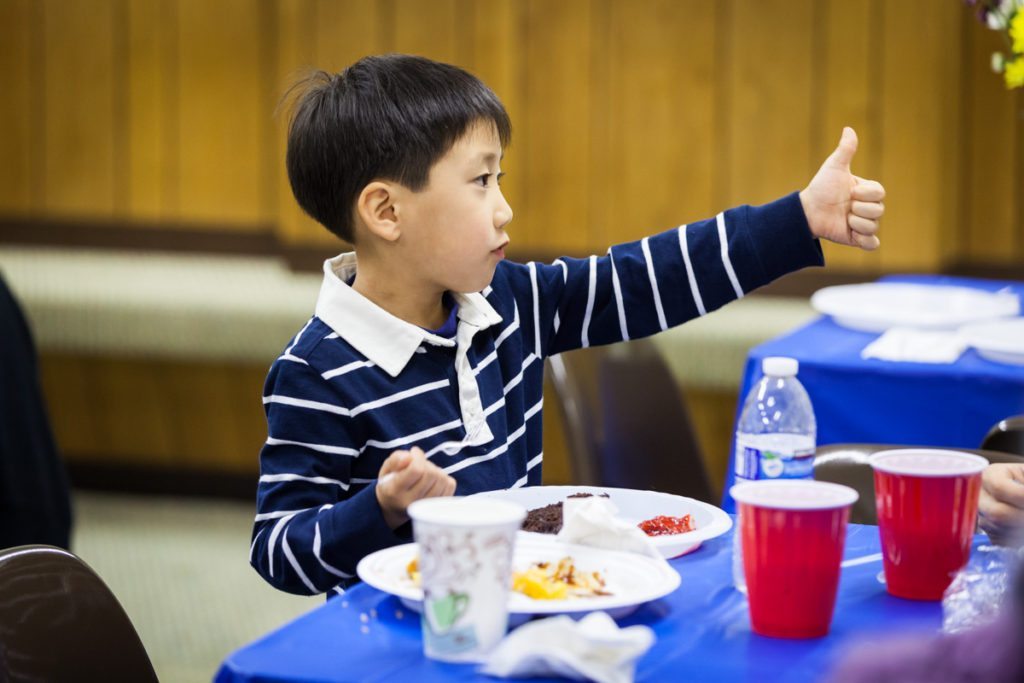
[484, 180]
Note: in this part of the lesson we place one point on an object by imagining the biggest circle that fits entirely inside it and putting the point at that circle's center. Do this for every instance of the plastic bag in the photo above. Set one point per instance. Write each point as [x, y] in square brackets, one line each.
[978, 591]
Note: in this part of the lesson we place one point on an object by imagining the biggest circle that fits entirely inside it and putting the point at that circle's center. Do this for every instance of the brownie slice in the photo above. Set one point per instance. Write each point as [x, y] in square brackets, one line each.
[548, 519]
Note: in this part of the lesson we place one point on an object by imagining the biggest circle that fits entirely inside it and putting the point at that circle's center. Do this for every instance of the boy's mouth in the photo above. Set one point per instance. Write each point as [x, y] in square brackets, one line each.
[500, 251]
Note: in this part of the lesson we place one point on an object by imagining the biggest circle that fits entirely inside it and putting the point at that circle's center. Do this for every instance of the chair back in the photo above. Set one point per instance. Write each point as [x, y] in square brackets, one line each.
[60, 622]
[626, 421]
[847, 463]
[1006, 436]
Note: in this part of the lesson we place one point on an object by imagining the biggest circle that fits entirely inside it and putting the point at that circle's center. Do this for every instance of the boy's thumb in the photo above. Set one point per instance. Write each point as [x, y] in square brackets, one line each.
[843, 155]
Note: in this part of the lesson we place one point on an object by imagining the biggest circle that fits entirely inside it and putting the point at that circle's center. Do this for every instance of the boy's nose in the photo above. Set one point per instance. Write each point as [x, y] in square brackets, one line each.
[503, 214]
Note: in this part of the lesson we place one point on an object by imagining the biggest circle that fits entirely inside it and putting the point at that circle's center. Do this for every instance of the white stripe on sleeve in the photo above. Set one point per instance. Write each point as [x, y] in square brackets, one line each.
[255, 538]
[275, 532]
[317, 544]
[565, 278]
[295, 563]
[318, 447]
[726, 261]
[591, 291]
[618, 297]
[689, 271]
[349, 367]
[288, 476]
[263, 516]
[654, 283]
[305, 403]
[295, 342]
[536, 307]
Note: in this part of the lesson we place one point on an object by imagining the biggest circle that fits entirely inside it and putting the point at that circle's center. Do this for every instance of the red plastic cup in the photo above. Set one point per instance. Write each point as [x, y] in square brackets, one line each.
[927, 502]
[793, 532]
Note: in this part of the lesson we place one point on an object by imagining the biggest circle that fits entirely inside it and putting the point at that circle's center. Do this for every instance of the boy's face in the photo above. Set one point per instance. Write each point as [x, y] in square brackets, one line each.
[453, 229]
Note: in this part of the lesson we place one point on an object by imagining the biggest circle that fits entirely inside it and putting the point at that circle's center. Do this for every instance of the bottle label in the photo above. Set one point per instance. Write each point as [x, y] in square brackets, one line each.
[757, 463]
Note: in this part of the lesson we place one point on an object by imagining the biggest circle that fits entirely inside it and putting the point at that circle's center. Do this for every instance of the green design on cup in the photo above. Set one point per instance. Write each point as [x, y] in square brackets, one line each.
[442, 613]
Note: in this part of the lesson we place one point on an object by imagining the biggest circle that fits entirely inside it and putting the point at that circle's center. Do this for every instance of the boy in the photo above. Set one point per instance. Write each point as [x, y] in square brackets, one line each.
[421, 372]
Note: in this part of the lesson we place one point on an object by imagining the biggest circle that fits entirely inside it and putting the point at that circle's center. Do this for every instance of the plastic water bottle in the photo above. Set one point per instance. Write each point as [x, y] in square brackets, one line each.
[775, 437]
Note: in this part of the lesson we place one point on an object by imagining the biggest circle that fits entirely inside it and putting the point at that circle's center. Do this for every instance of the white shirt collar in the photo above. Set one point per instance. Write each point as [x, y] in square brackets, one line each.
[382, 337]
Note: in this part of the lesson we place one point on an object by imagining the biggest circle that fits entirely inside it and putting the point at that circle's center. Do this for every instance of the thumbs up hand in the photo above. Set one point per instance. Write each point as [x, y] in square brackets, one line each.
[841, 207]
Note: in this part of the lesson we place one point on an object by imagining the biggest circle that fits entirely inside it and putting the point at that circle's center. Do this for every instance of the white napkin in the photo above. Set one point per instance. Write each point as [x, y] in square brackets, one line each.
[917, 346]
[593, 648]
[592, 521]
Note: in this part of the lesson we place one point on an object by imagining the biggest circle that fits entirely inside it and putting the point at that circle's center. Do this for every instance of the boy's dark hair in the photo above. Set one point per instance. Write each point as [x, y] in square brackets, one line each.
[385, 117]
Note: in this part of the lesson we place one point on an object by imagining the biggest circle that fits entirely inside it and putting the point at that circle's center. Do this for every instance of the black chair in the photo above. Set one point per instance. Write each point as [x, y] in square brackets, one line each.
[626, 422]
[1006, 436]
[60, 622]
[847, 463]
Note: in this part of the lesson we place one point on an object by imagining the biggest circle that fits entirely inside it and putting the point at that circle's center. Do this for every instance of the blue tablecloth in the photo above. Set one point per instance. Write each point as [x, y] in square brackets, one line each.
[703, 631]
[876, 401]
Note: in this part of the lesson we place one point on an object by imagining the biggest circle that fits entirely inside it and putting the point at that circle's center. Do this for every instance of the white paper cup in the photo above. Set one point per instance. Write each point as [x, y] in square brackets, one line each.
[465, 567]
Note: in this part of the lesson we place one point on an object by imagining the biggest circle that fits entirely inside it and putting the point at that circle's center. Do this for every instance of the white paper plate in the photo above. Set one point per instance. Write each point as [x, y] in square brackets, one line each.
[1001, 341]
[630, 578]
[877, 306]
[635, 506]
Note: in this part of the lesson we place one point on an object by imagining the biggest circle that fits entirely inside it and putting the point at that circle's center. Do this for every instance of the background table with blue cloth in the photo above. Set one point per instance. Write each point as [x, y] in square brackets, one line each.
[702, 628]
[875, 401]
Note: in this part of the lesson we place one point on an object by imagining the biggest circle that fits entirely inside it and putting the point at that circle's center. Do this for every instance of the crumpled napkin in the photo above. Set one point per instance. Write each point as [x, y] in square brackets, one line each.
[908, 344]
[593, 648]
[593, 521]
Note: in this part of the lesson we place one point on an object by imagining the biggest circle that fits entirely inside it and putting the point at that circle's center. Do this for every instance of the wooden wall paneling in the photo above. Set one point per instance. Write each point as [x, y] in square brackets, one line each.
[18, 127]
[556, 128]
[247, 416]
[845, 88]
[132, 411]
[920, 47]
[663, 124]
[603, 172]
[150, 114]
[989, 230]
[297, 38]
[770, 63]
[217, 416]
[222, 113]
[346, 31]
[426, 29]
[71, 401]
[79, 116]
[491, 48]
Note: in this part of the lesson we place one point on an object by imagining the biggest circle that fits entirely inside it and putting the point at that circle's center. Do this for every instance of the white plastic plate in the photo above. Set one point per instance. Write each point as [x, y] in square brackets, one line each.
[635, 506]
[877, 306]
[1001, 341]
[631, 579]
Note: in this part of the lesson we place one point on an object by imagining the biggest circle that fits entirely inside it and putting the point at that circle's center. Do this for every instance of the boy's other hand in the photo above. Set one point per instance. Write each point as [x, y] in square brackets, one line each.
[841, 207]
[407, 476]
[1001, 504]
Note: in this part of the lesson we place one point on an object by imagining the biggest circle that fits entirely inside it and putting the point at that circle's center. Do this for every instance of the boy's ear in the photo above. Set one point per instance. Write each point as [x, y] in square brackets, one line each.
[376, 208]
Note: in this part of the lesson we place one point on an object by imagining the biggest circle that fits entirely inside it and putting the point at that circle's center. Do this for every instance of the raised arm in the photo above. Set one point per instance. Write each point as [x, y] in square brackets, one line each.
[640, 288]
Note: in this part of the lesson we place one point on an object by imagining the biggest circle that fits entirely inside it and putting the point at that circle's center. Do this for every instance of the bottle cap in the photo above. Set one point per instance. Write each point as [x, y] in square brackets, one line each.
[780, 366]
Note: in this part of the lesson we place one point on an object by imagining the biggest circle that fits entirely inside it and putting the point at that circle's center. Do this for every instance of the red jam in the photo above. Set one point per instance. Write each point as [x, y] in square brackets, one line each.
[663, 525]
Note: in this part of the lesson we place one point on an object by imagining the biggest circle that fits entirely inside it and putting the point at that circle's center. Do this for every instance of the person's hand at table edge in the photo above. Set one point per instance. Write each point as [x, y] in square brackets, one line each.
[840, 207]
[1001, 504]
